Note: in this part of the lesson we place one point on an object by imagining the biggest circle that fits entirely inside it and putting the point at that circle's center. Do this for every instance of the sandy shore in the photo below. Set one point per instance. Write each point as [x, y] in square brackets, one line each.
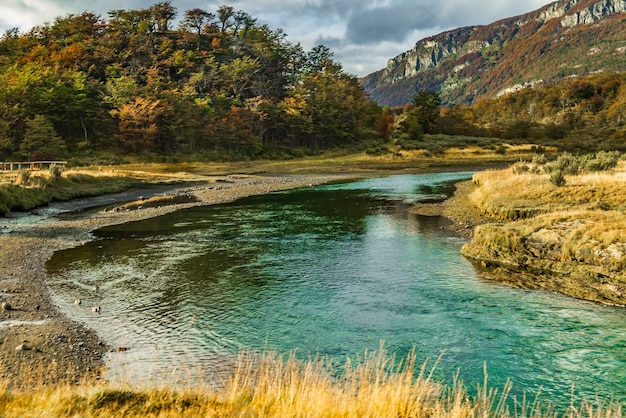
[38, 344]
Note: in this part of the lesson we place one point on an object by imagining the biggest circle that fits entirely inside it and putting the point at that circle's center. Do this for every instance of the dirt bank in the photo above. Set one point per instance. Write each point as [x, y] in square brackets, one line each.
[39, 345]
[458, 208]
[535, 260]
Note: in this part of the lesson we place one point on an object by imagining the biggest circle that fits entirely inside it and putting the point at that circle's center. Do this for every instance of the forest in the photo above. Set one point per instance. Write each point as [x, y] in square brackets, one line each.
[221, 86]
[218, 86]
[579, 114]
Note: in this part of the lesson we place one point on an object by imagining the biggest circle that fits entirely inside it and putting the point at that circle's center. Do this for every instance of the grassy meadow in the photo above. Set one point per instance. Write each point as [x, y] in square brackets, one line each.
[592, 203]
[28, 189]
[25, 190]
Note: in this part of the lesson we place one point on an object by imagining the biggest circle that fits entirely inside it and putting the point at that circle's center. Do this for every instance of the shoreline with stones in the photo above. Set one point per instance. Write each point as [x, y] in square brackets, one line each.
[41, 346]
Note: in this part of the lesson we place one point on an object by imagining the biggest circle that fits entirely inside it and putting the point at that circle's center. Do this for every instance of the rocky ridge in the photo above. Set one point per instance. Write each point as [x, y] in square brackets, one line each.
[475, 61]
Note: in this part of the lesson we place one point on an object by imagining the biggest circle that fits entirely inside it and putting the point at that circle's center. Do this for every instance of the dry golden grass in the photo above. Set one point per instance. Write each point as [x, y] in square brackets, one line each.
[509, 196]
[273, 386]
[40, 187]
[580, 226]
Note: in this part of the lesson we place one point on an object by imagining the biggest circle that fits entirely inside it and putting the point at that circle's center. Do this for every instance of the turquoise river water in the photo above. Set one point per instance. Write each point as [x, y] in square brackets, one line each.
[334, 270]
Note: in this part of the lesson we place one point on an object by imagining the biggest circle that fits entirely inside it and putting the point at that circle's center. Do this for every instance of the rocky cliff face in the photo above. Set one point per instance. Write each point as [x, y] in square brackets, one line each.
[429, 52]
[469, 62]
[591, 13]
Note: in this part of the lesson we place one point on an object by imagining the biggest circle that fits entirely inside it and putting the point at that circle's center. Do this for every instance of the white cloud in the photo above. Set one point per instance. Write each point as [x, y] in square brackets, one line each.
[24, 14]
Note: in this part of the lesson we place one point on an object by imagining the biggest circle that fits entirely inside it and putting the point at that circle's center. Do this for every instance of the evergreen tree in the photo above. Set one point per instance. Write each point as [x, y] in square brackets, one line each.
[41, 141]
[426, 109]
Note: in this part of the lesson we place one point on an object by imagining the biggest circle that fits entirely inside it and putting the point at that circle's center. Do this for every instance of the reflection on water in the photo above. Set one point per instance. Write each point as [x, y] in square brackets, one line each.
[331, 270]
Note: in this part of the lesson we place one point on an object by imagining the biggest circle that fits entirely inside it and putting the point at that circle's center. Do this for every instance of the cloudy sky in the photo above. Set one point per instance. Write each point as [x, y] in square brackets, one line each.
[363, 34]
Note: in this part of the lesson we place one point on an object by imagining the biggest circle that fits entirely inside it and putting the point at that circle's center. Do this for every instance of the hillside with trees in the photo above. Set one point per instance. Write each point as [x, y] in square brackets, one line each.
[566, 38]
[218, 86]
[577, 115]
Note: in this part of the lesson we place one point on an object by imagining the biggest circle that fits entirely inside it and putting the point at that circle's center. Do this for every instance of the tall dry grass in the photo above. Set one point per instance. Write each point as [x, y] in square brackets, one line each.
[21, 191]
[509, 195]
[270, 385]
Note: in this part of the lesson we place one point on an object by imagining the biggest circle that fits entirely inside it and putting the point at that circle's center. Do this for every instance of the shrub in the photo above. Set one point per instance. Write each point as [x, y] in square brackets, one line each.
[56, 170]
[566, 164]
[521, 168]
[377, 150]
[22, 178]
[601, 161]
[540, 159]
[570, 164]
[557, 178]
[409, 144]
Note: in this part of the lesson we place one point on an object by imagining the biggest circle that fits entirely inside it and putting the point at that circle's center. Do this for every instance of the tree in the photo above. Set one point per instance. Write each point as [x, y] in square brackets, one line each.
[237, 75]
[384, 126]
[41, 141]
[225, 15]
[242, 19]
[139, 123]
[128, 22]
[132, 81]
[320, 60]
[74, 28]
[163, 13]
[6, 144]
[426, 109]
[196, 20]
[410, 127]
[9, 45]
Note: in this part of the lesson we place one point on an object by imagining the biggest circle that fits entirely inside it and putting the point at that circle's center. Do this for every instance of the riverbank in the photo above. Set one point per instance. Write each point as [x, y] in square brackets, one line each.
[529, 233]
[39, 345]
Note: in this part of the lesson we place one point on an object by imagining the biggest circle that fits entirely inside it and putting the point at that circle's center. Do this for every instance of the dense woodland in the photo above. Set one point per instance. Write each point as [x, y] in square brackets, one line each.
[580, 114]
[219, 85]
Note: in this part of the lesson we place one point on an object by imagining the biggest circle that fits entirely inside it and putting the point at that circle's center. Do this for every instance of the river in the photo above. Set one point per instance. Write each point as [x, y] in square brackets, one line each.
[330, 270]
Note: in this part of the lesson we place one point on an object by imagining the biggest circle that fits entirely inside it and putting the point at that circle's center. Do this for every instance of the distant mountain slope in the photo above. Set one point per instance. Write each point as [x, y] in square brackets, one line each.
[565, 38]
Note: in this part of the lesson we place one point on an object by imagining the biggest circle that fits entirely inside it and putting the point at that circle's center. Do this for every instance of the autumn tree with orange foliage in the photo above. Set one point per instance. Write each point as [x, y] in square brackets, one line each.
[220, 85]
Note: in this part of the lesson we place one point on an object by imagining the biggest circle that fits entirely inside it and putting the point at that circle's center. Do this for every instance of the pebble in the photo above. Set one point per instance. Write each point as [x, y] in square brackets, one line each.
[5, 306]
[22, 347]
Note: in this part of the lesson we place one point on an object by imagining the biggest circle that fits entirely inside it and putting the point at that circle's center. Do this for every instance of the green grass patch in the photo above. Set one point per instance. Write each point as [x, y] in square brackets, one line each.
[42, 190]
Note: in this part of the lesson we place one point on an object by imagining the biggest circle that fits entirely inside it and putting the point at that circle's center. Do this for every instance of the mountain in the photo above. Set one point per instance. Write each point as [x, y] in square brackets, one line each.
[567, 38]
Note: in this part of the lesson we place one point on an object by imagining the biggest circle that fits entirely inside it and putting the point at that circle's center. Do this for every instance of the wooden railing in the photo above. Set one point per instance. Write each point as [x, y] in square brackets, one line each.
[31, 165]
